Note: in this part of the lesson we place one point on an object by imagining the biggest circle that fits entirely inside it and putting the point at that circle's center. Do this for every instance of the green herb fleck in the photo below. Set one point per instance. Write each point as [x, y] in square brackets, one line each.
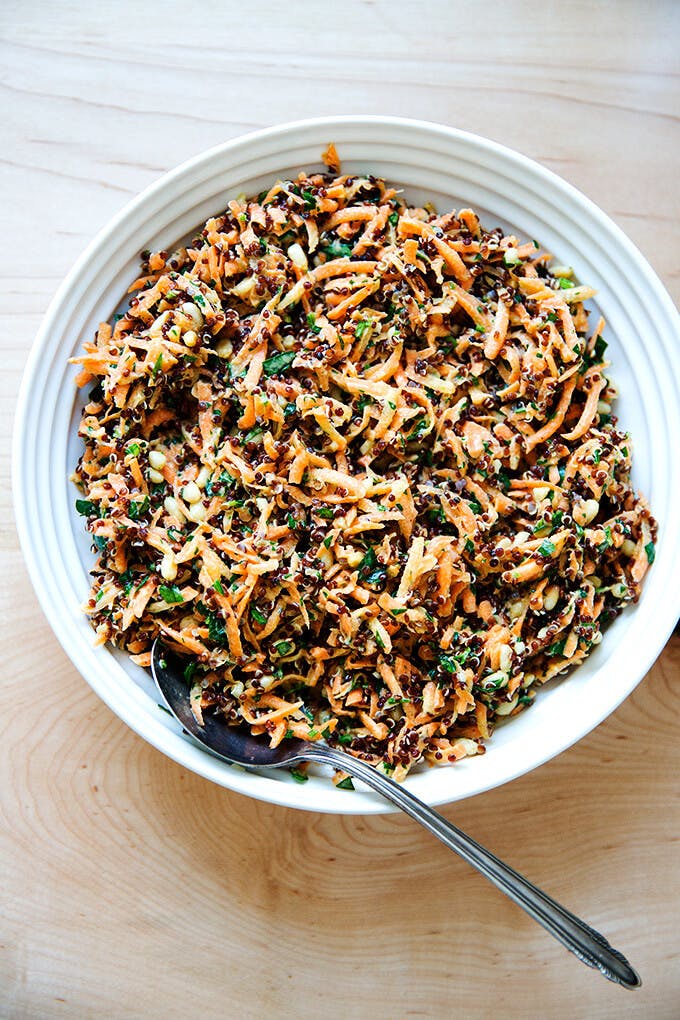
[279, 362]
[557, 648]
[311, 322]
[137, 510]
[216, 630]
[85, 507]
[338, 249]
[608, 541]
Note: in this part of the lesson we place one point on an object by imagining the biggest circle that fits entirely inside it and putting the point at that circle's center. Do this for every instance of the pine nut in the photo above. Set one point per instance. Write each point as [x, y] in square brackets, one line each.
[196, 512]
[172, 507]
[193, 313]
[191, 493]
[168, 567]
[298, 257]
[203, 477]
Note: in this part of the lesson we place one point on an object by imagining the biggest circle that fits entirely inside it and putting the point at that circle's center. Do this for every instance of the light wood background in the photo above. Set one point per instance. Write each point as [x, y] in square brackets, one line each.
[130, 888]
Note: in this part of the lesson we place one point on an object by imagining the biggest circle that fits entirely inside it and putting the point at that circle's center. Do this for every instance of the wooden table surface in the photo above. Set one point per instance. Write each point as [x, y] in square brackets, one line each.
[131, 888]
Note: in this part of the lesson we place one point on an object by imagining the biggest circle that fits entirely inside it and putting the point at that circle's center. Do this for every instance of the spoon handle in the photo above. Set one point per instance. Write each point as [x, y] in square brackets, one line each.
[582, 940]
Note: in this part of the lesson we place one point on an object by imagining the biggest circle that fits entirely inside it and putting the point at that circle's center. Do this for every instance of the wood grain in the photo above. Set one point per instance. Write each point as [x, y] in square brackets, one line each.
[131, 888]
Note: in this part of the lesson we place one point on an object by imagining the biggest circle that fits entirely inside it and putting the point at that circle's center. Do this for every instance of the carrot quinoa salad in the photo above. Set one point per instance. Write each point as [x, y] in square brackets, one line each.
[357, 463]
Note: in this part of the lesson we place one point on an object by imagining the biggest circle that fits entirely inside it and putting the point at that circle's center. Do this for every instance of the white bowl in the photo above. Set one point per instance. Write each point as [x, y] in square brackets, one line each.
[451, 168]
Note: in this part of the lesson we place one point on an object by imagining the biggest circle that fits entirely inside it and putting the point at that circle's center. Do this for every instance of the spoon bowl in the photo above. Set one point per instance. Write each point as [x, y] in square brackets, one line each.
[232, 743]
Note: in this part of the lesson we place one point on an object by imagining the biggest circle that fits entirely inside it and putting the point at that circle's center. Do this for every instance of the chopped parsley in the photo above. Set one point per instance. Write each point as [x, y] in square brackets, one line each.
[370, 570]
[85, 507]
[311, 322]
[138, 509]
[338, 250]
[608, 541]
[279, 362]
[216, 630]
[557, 648]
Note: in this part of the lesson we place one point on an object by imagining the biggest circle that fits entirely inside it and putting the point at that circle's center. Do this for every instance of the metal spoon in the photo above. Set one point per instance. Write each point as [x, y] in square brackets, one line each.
[239, 747]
